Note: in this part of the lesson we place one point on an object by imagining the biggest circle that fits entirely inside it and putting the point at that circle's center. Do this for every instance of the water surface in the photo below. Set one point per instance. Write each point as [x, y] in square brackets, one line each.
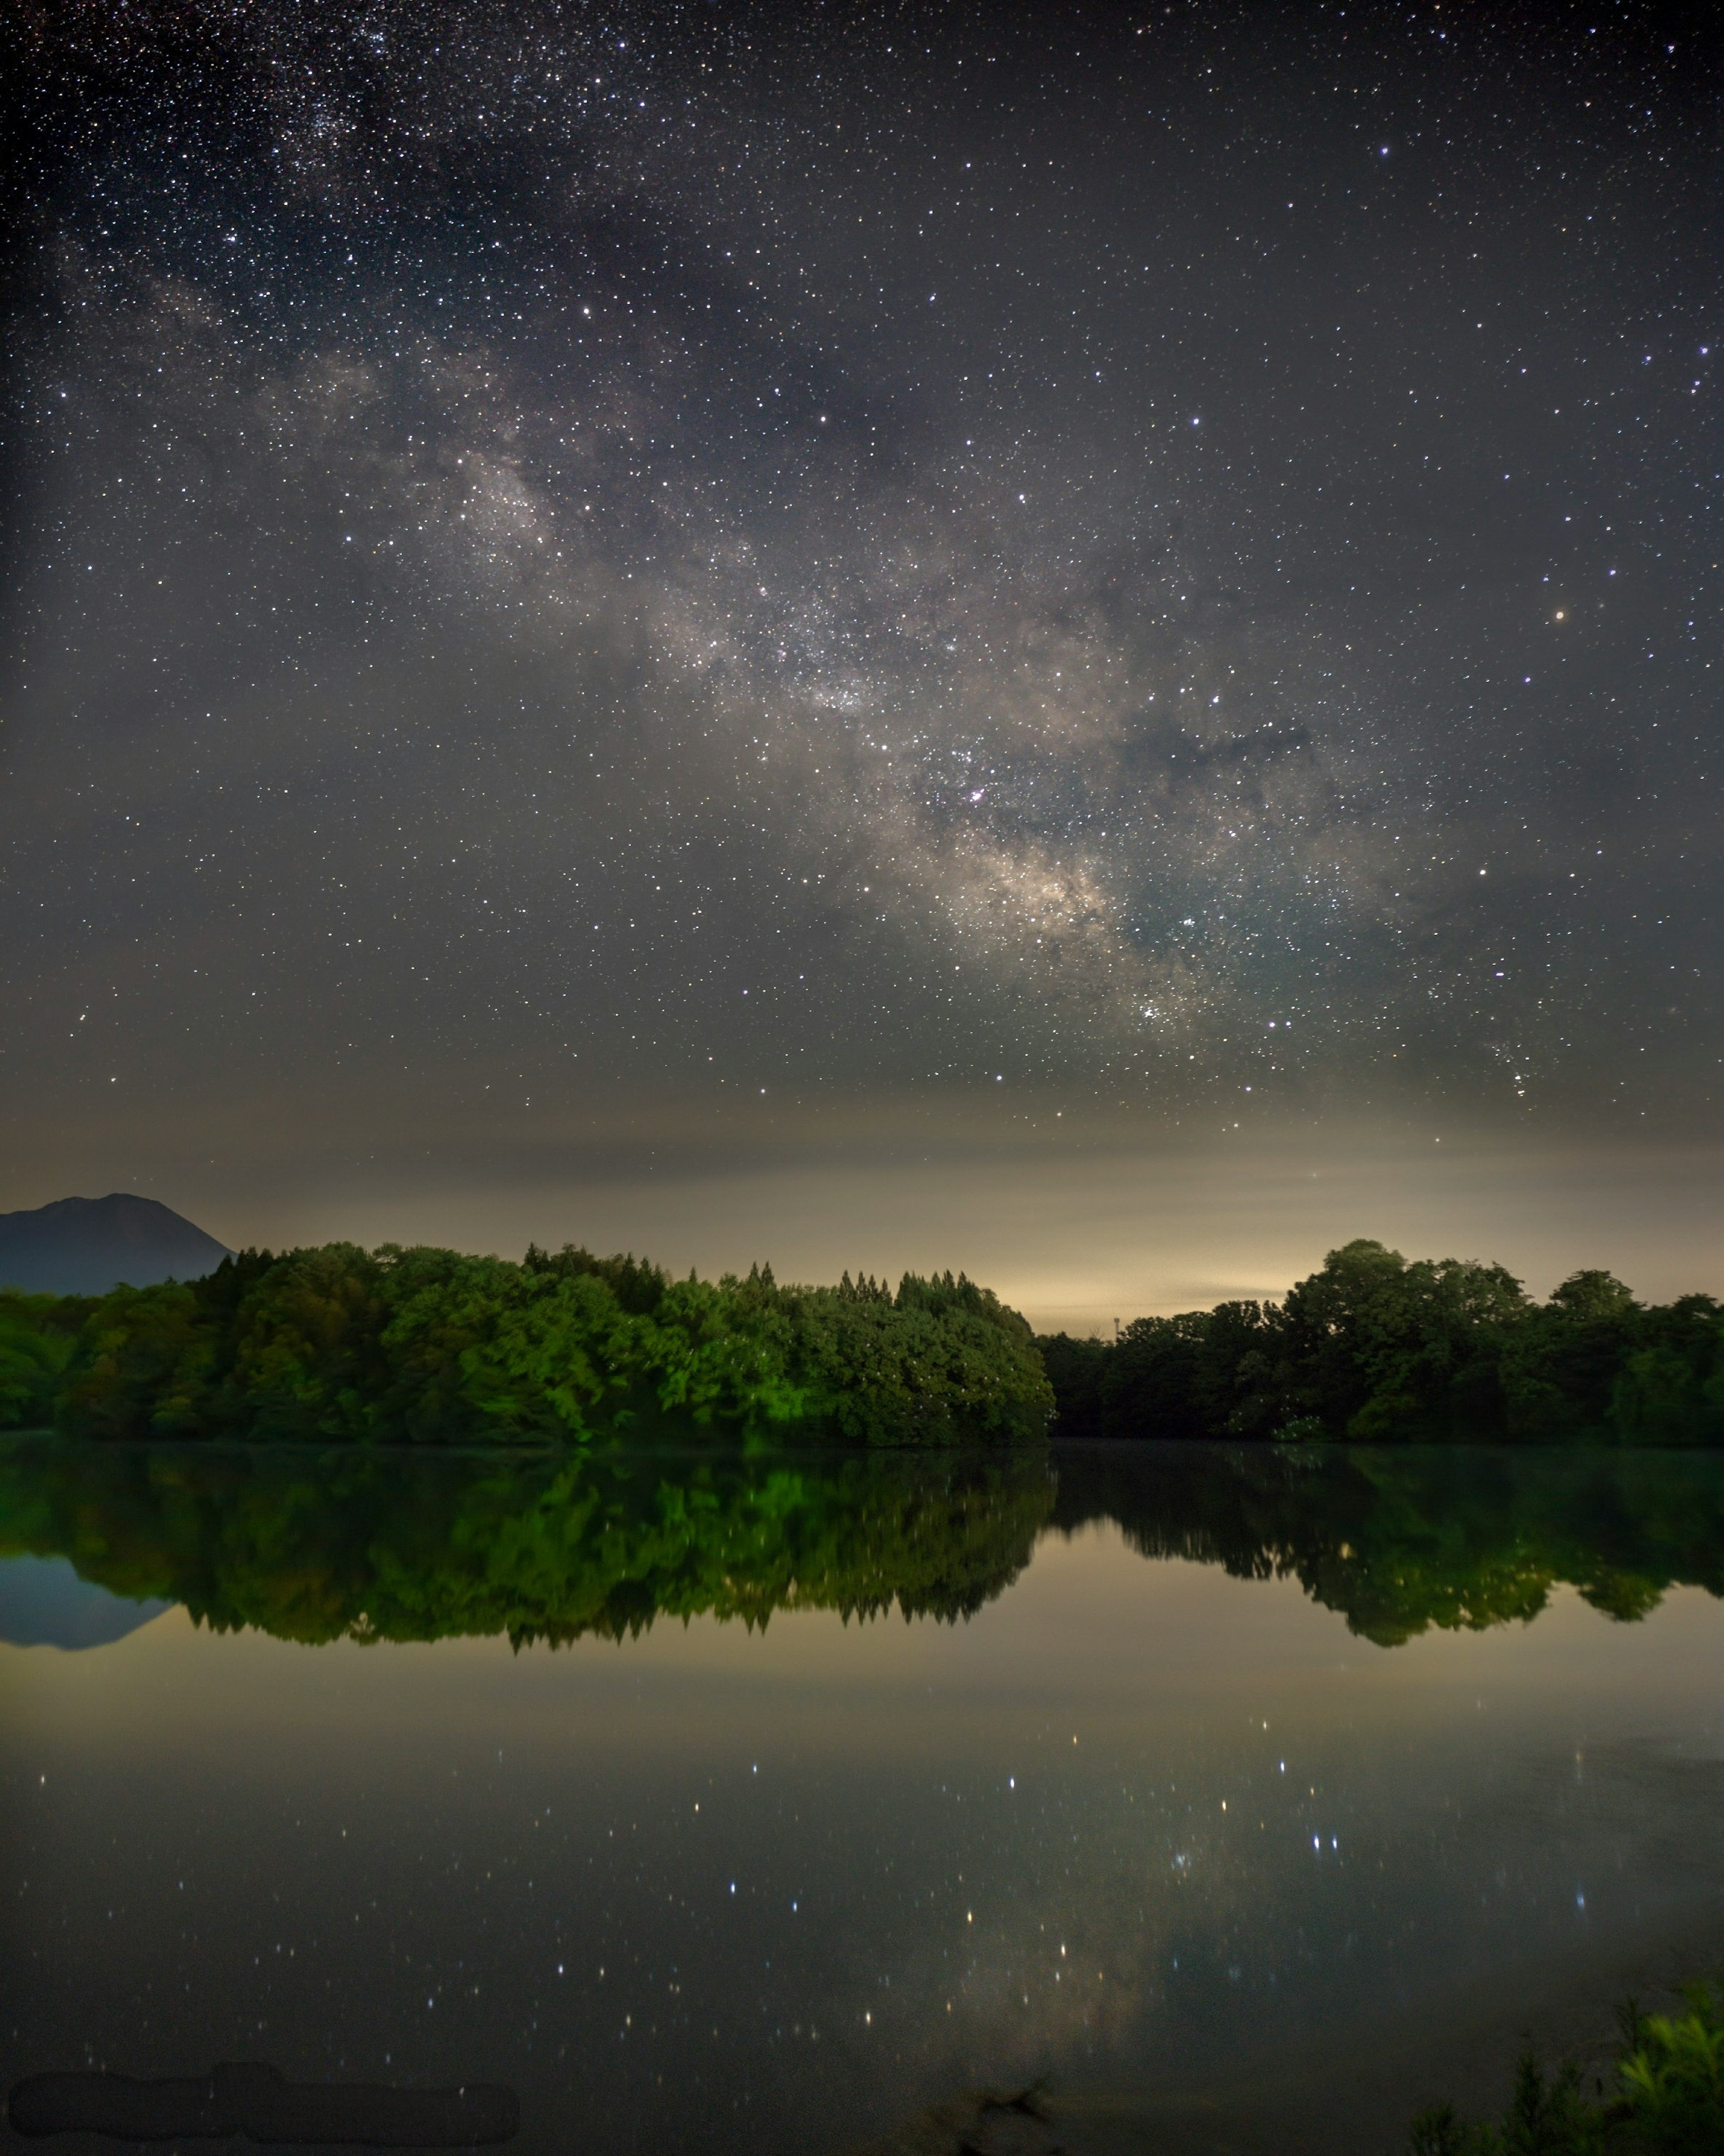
[1249, 1796]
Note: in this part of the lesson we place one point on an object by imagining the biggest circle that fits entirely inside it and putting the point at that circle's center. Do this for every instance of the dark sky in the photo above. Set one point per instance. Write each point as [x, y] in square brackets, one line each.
[604, 601]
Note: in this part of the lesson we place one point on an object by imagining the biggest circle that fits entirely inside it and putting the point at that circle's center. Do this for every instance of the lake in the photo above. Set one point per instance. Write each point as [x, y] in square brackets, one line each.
[1246, 1798]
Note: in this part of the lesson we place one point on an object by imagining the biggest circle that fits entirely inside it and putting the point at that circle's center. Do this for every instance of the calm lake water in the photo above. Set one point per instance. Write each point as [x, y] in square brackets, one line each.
[1249, 1798]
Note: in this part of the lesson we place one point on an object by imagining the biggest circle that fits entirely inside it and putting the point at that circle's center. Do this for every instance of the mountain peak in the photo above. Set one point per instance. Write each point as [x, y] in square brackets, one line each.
[86, 1245]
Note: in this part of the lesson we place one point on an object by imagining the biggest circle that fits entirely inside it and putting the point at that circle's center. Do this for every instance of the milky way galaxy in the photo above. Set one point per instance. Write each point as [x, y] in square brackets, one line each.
[598, 588]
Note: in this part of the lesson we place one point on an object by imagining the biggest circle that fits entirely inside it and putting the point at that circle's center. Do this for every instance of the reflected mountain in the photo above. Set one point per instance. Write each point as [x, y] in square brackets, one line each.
[369, 1545]
[44, 1603]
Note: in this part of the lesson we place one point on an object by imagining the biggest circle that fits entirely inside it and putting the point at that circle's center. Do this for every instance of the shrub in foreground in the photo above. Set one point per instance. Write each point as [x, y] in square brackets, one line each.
[1663, 2097]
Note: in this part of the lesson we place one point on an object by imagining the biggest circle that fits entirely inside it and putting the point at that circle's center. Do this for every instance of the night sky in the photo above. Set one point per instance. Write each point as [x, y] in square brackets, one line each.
[1064, 639]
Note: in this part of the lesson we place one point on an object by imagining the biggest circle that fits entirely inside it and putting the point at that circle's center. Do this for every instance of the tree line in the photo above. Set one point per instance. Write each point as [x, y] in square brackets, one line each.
[429, 1346]
[1373, 1347]
[425, 1346]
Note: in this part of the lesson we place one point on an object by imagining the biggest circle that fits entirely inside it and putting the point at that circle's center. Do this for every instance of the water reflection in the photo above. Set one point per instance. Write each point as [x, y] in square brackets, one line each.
[1401, 1538]
[1153, 1825]
[43, 1603]
[391, 1545]
[254, 2101]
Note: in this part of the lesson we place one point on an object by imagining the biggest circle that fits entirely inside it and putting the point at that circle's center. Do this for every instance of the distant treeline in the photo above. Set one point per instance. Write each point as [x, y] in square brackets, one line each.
[1373, 1347]
[430, 1347]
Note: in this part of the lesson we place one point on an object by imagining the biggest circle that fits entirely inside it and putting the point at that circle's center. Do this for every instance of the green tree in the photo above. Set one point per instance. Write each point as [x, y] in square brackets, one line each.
[1670, 1389]
[142, 1366]
[1380, 1349]
[1560, 1370]
[1667, 2097]
[38, 1335]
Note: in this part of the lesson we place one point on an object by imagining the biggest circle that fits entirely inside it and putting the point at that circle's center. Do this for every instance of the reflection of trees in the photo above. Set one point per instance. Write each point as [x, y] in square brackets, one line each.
[368, 1543]
[1398, 1540]
[374, 1545]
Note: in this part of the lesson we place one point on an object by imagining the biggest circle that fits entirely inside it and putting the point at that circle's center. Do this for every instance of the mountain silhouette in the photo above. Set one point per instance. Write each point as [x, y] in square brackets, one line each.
[86, 1245]
[44, 1603]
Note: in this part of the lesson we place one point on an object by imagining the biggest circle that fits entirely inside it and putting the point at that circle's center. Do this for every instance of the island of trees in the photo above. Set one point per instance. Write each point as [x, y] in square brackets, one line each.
[427, 1346]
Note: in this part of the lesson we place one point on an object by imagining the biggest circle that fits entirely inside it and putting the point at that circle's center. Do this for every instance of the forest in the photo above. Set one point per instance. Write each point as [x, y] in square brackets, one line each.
[1373, 1347]
[427, 1346]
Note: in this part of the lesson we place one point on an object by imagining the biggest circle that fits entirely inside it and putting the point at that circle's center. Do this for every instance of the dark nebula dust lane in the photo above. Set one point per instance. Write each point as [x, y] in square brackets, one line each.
[1166, 559]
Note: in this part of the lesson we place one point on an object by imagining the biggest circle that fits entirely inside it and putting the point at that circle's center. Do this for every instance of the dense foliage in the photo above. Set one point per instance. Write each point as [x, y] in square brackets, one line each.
[429, 1346]
[1373, 1348]
[1664, 2096]
[360, 1542]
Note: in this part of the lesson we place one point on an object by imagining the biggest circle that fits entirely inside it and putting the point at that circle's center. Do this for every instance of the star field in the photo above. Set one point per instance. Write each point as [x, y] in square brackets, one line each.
[1166, 557]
